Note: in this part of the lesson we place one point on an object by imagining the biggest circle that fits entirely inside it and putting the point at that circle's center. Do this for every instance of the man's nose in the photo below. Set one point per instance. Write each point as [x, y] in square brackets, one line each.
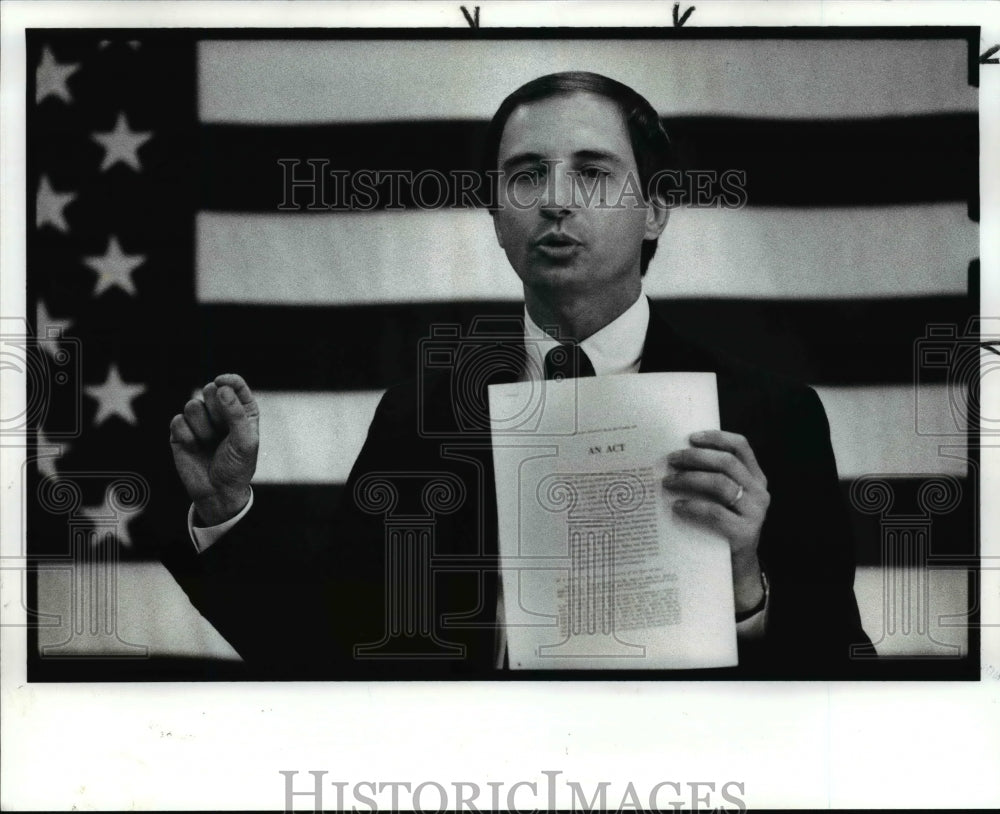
[558, 197]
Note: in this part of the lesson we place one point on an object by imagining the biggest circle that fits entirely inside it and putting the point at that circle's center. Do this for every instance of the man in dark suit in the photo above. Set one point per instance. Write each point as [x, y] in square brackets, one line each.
[407, 586]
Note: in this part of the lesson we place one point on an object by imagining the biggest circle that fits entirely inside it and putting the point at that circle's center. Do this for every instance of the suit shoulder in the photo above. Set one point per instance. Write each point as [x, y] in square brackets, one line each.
[746, 375]
[404, 403]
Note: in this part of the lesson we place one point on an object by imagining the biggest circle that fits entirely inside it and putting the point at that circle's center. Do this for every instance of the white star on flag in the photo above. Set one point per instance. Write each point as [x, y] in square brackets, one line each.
[47, 456]
[121, 144]
[49, 206]
[100, 516]
[48, 329]
[51, 76]
[115, 268]
[114, 397]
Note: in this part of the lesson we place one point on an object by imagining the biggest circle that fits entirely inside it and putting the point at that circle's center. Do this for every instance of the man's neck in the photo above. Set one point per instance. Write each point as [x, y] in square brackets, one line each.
[580, 317]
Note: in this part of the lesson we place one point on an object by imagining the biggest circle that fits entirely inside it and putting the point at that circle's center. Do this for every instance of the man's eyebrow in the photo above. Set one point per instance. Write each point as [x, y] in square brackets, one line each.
[521, 158]
[596, 155]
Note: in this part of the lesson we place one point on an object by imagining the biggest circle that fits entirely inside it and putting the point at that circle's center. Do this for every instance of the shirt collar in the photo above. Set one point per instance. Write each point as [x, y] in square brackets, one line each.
[616, 348]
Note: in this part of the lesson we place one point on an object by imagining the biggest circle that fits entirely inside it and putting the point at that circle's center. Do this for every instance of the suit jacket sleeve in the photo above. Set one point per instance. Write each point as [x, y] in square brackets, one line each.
[807, 551]
[291, 600]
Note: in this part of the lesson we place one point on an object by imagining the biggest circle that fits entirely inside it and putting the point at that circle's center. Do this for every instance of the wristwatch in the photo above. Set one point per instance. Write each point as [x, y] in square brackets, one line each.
[742, 617]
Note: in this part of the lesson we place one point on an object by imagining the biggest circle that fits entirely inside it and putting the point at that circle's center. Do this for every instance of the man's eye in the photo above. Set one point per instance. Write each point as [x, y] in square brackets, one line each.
[594, 172]
[529, 175]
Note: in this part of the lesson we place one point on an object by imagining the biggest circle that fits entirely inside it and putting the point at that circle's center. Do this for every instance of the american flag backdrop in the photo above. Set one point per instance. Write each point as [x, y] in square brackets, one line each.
[158, 257]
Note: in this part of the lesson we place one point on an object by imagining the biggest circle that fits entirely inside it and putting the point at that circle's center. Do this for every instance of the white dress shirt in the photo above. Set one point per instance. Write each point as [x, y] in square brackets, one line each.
[616, 348]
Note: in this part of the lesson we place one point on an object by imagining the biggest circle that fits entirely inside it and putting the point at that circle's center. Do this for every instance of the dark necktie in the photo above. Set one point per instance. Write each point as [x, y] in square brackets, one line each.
[567, 362]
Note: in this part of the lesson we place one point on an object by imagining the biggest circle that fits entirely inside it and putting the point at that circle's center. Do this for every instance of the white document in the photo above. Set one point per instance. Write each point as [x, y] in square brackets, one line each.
[597, 571]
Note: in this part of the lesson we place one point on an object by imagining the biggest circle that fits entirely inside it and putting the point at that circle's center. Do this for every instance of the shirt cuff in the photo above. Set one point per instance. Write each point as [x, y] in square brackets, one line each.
[755, 626]
[203, 537]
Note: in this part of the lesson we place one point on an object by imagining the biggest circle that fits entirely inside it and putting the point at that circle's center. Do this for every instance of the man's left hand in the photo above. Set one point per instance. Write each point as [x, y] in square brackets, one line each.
[722, 486]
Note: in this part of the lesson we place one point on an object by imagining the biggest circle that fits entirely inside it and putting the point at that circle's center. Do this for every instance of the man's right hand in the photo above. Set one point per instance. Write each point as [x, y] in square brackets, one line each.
[215, 444]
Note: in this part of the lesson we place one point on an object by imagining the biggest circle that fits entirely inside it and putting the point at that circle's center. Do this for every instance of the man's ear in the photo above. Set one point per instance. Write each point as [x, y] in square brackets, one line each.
[496, 227]
[657, 214]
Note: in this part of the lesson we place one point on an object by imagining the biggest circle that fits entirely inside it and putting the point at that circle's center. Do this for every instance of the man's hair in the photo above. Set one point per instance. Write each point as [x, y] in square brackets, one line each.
[650, 144]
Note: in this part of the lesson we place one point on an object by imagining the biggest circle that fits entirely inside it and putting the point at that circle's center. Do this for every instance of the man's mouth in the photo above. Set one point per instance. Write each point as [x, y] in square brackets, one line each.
[558, 246]
[557, 240]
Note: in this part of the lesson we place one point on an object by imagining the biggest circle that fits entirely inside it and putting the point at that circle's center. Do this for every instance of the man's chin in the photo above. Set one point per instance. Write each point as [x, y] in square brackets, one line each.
[555, 281]
[555, 271]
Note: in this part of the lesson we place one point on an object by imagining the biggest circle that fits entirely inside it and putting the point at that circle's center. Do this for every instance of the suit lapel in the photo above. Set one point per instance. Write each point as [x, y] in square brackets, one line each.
[664, 350]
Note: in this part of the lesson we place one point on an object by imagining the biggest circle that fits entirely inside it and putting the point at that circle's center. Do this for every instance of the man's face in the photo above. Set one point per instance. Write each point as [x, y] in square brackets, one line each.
[557, 242]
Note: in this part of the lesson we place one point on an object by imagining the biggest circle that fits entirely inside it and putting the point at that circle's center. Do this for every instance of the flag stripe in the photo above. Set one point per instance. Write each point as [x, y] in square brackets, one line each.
[299, 82]
[370, 347]
[385, 257]
[895, 428]
[311, 437]
[831, 162]
[950, 533]
[315, 437]
[894, 604]
[151, 610]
